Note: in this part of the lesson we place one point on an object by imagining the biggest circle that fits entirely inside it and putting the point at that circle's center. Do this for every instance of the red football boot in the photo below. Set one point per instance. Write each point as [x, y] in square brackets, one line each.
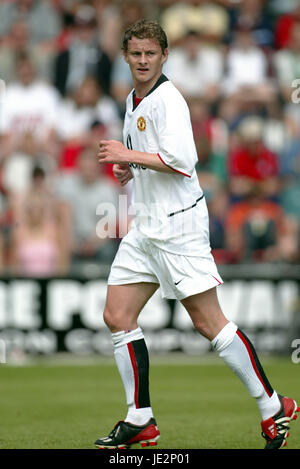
[275, 429]
[125, 434]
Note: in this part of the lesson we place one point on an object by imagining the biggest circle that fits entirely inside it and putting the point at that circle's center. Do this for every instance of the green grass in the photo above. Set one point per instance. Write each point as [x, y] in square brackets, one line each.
[197, 403]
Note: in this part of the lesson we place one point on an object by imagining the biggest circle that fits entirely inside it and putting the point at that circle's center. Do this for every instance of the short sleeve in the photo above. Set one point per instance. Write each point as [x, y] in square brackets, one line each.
[171, 120]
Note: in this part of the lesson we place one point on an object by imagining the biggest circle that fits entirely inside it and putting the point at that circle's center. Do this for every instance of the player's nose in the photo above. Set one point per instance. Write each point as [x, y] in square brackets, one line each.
[143, 58]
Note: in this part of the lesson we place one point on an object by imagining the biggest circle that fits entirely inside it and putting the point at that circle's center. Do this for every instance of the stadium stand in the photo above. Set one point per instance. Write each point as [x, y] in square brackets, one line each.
[65, 86]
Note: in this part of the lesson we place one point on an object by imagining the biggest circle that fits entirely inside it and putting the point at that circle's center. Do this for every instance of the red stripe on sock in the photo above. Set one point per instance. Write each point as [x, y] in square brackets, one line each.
[253, 361]
[135, 374]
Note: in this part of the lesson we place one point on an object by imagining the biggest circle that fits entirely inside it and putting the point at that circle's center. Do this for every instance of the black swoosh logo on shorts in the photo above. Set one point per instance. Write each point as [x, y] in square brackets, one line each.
[176, 283]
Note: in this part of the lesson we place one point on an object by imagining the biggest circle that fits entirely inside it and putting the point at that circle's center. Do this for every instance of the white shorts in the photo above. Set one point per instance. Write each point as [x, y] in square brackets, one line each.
[139, 260]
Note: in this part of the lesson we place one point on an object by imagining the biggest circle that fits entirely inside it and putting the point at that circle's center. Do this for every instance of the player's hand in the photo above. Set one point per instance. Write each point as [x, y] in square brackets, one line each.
[112, 151]
[123, 173]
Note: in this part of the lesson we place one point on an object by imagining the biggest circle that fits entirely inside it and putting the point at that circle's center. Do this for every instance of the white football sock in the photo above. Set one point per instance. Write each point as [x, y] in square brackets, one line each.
[132, 360]
[239, 354]
[138, 416]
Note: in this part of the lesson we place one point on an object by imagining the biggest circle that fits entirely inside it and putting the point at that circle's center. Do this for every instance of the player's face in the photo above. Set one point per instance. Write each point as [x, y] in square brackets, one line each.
[145, 59]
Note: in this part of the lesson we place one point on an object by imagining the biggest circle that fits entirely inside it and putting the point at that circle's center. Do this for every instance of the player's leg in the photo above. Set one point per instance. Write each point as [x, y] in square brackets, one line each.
[206, 313]
[123, 306]
[239, 354]
[233, 346]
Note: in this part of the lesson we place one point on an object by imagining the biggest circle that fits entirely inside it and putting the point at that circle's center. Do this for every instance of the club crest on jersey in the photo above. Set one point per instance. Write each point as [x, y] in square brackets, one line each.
[141, 124]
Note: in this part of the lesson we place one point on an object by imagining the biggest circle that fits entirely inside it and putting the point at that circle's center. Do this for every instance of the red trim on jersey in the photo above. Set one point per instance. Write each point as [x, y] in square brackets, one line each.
[135, 373]
[220, 283]
[176, 170]
[253, 361]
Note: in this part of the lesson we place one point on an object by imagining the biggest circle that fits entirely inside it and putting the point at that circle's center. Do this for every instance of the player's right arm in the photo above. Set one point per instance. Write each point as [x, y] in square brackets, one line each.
[114, 152]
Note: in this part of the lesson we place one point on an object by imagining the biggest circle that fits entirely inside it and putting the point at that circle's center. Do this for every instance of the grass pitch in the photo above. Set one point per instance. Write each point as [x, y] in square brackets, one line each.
[198, 403]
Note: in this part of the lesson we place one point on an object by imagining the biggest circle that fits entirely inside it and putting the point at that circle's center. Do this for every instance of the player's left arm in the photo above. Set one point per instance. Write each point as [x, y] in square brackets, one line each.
[114, 152]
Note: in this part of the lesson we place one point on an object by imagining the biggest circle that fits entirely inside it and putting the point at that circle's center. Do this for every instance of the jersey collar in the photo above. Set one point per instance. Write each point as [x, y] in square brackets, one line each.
[161, 80]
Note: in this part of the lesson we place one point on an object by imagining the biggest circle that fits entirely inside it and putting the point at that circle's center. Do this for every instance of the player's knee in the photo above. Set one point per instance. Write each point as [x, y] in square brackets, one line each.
[203, 328]
[116, 320]
[109, 318]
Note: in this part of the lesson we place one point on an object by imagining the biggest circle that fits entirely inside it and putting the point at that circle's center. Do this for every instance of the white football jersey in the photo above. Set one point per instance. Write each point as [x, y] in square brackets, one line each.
[168, 208]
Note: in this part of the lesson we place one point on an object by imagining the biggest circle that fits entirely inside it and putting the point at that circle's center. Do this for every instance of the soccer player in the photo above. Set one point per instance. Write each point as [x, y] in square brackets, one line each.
[168, 246]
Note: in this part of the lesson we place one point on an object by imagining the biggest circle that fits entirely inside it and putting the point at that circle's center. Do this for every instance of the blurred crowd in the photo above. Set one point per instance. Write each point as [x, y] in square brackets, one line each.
[63, 88]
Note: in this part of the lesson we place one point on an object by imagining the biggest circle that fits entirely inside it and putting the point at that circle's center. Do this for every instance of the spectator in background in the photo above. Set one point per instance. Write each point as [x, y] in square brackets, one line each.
[30, 107]
[121, 83]
[83, 57]
[287, 64]
[43, 19]
[114, 17]
[247, 70]
[97, 133]
[257, 227]
[40, 233]
[17, 42]
[18, 166]
[290, 166]
[40, 229]
[259, 230]
[107, 15]
[27, 127]
[211, 171]
[84, 190]
[275, 130]
[50, 39]
[252, 166]
[37, 247]
[211, 166]
[78, 115]
[195, 68]
[290, 200]
[284, 25]
[208, 18]
[87, 105]
[253, 15]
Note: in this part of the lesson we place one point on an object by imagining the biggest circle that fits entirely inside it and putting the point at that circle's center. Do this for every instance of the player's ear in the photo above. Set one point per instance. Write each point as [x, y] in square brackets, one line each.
[164, 56]
[125, 55]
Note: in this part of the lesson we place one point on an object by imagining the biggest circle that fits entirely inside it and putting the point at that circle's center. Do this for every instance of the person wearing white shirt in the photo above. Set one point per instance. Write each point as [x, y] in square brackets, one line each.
[168, 246]
[30, 104]
[202, 65]
[86, 105]
[246, 66]
[27, 125]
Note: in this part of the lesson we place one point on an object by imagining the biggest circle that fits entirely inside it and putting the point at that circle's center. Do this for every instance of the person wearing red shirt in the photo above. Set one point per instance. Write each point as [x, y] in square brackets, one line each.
[252, 166]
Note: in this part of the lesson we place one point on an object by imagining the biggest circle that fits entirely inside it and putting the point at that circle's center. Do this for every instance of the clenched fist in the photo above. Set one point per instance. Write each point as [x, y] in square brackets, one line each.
[112, 151]
[123, 173]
